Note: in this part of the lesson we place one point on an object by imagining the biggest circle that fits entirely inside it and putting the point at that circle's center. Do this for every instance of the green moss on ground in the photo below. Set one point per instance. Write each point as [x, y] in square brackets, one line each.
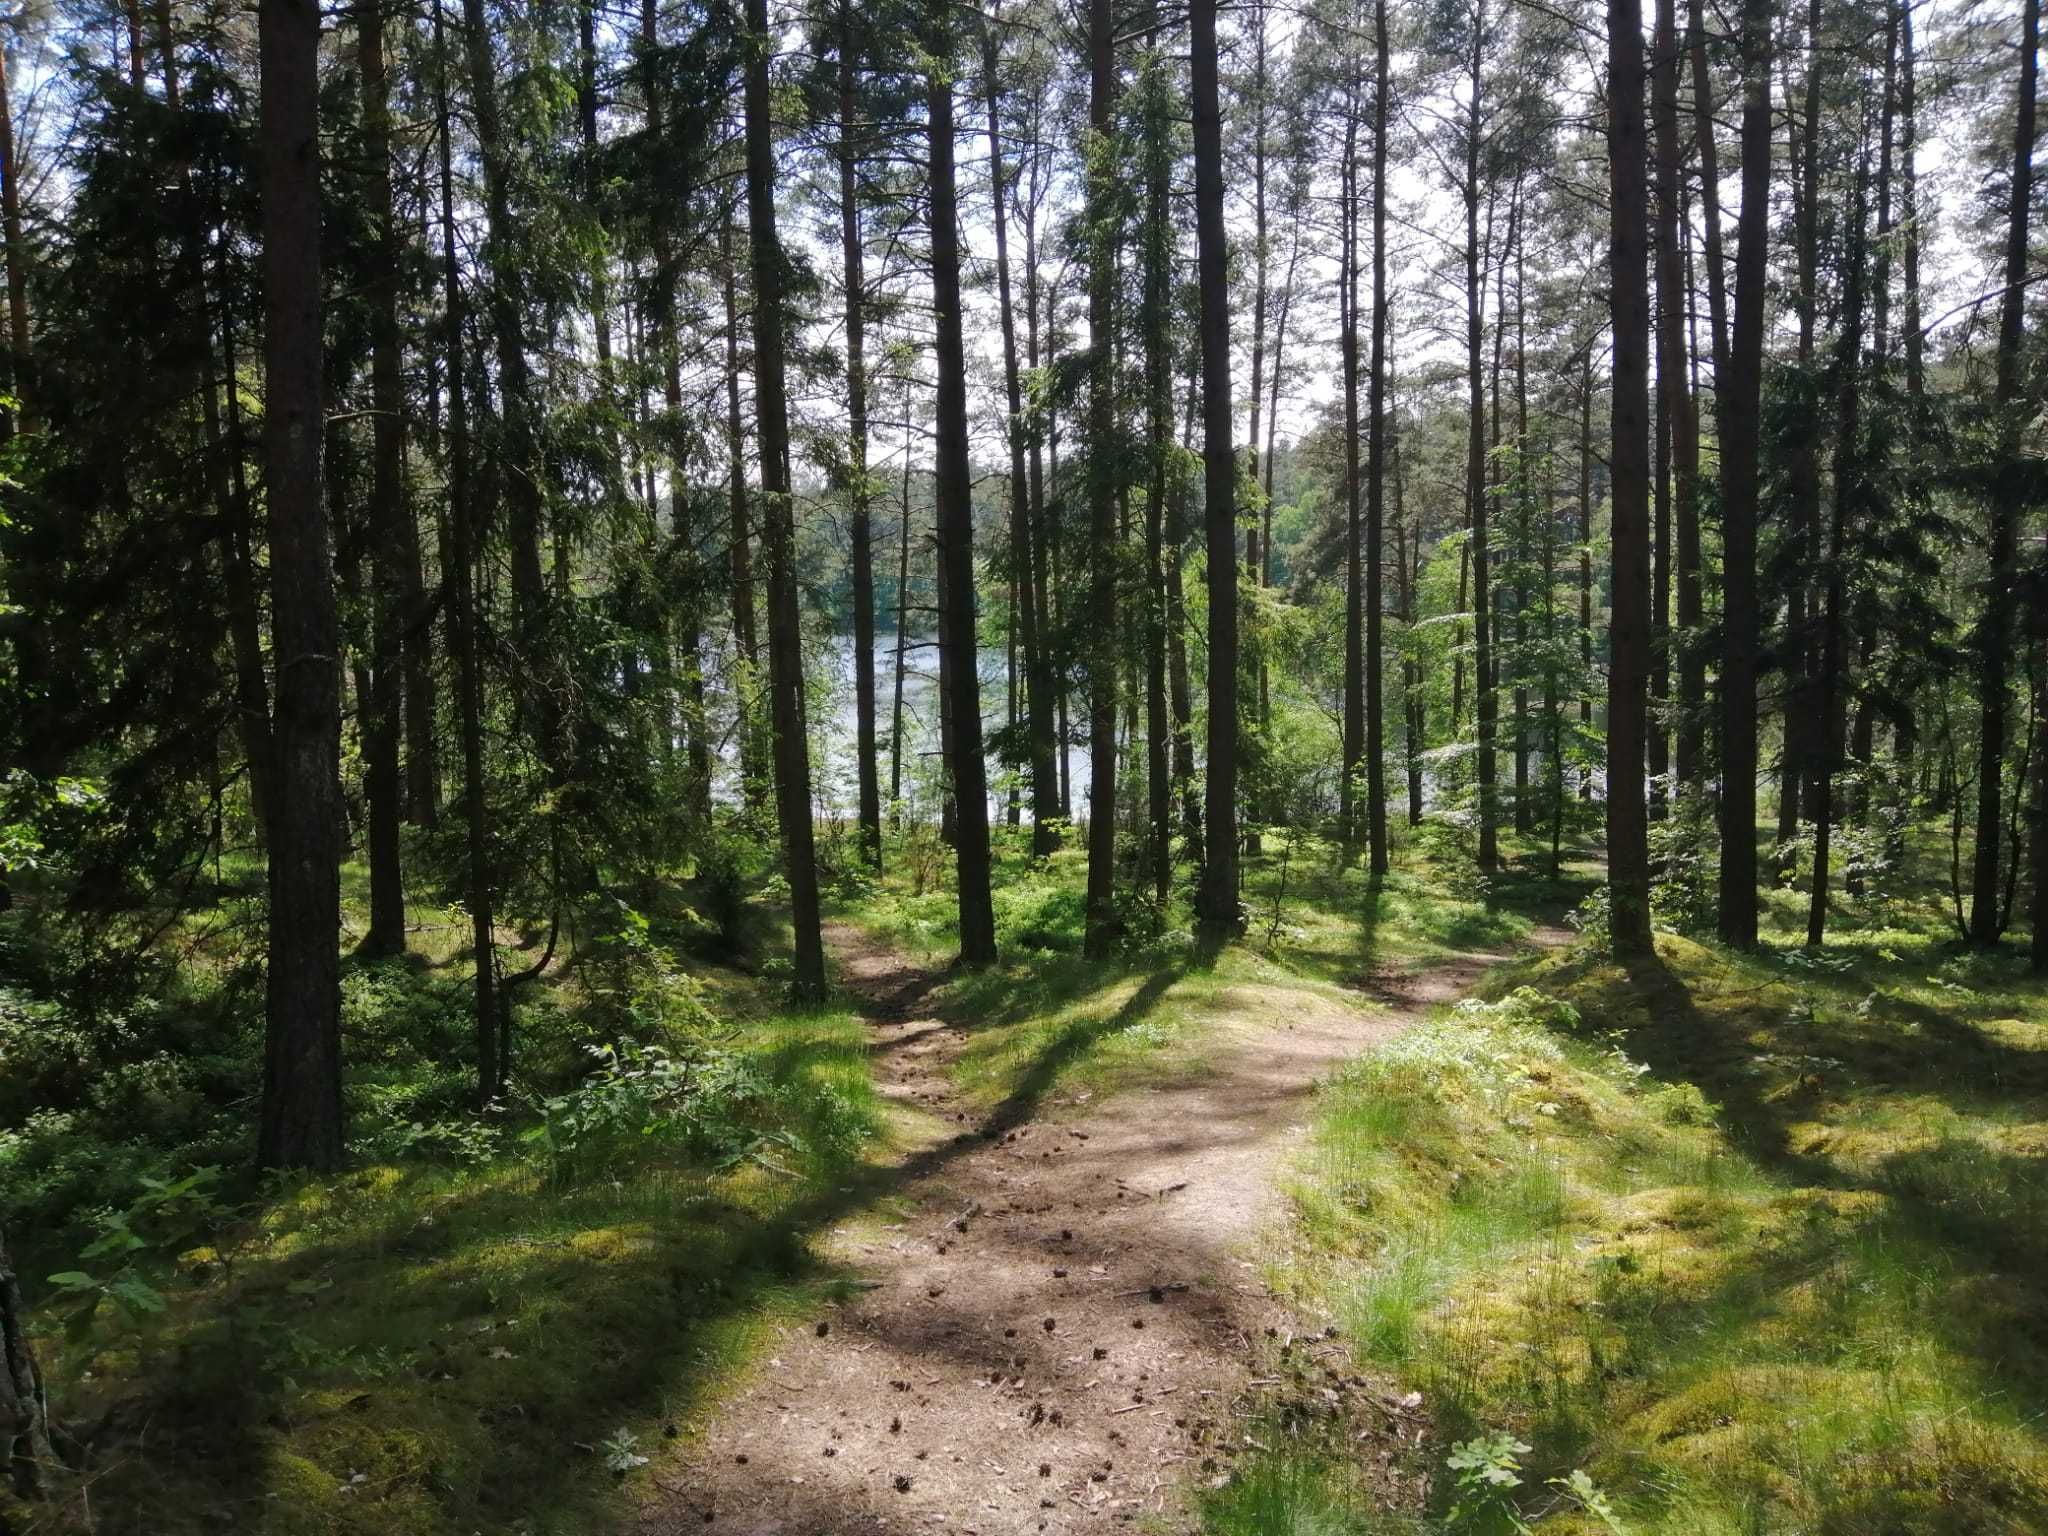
[1757, 1241]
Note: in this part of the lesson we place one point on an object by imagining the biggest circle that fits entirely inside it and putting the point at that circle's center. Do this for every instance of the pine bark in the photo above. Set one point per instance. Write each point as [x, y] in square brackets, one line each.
[1800, 738]
[861, 532]
[2008, 507]
[1628, 854]
[464, 620]
[382, 719]
[15, 252]
[1024, 557]
[1739, 406]
[1100, 933]
[1487, 704]
[24, 1410]
[1354, 555]
[522, 479]
[1678, 406]
[955, 491]
[301, 1119]
[1708, 150]
[1376, 449]
[1829, 683]
[785, 634]
[1157, 306]
[1217, 903]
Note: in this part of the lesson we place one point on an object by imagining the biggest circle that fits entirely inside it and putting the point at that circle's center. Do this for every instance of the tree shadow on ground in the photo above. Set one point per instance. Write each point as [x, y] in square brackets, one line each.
[1793, 1083]
[462, 1349]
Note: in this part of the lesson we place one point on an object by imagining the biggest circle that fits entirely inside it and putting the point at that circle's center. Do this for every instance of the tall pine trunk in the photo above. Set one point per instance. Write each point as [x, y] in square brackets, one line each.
[1217, 904]
[382, 718]
[1628, 853]
[785, 633]
[955, 490]
[301, 1122]
[522, 477]
[1101, 922]
[861, 534]
[1487, 704]
[1158, 288]
[1739, 405]
[2009, 500]
[1038, 713]
[1678, 407]
[24, 1411]
[1376, 451]
[1710, 185]
[740, 536]
[13, 248]
[1801, 722]
[463, 618]
[1829, 683]
[1354, 555]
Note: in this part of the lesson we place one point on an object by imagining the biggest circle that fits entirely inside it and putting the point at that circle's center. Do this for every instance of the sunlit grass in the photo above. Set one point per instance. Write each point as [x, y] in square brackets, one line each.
[1756, 1241]
[444, 1345]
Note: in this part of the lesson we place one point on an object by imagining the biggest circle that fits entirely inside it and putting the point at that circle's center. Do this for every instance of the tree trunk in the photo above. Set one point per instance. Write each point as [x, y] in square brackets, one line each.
[1157, 309]
[1180, 688]
[955, 491]
[1738, 404]
[1628, 853]
[1586, 548]
[523, 478]
[1415, 723]
[2008, 506]
[1846, 471]
[1101, 923]
[1375, 516]
[785, 633]
[15, 253]
[1525, 497]
[301, 1122]
[385, 526]
[740, 538]
[24, 1411]
[1909, 213]
[861, 531]
[1038, 714]
[1678, 407]
[1710, 186]
[1354, 556]
[1801, 722]
[902, 629]
[1258, 554]
[688, 690]
[1487, 704]
[2037, 949]
[463, 619]
[1217, 903]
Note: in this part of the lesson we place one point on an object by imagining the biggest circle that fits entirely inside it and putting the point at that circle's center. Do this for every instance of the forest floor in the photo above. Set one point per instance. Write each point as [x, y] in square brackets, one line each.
[1060, 1314]
[1708, 1245]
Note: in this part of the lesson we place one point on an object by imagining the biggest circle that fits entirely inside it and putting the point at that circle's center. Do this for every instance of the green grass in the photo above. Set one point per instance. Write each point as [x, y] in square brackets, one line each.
[413, 1348]
[444, 1338]
[1049, 1023]
[1755, 1241]
[1285, 1493]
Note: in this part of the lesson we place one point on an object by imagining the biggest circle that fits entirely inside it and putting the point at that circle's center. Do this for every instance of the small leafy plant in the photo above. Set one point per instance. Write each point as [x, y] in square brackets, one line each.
[1487, 1471]
[169, 1218]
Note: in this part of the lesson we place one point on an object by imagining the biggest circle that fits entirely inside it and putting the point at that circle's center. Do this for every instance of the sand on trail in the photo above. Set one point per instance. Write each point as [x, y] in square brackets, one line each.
[1057, 1335]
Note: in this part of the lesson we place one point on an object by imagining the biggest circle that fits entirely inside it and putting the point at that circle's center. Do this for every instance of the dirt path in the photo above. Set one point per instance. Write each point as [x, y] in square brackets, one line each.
[1058, 1331]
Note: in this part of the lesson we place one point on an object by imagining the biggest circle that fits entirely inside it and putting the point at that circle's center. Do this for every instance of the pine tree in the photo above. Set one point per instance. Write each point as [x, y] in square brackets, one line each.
[301, 1117]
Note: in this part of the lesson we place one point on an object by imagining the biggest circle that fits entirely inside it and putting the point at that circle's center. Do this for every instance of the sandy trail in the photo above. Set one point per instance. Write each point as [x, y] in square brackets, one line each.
[1055, 1337]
